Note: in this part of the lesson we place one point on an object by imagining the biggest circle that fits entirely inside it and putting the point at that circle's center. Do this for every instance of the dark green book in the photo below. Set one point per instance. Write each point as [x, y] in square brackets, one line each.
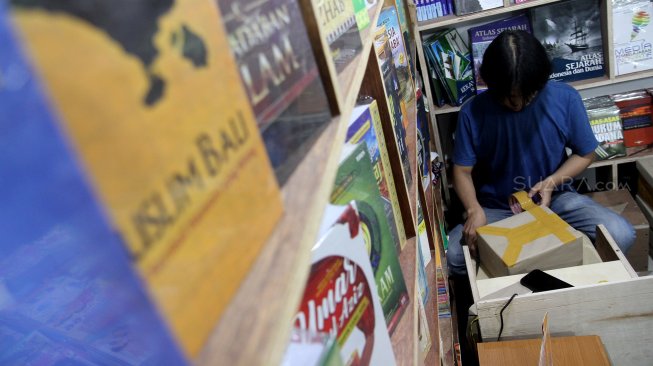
[355, 181]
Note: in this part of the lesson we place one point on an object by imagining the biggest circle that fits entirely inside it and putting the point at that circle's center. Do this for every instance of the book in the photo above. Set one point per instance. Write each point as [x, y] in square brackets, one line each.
[472, 6]
[423, 333]
[279, 73]
[308, 347]
[338, 26]
[632, 36]
[68, 292]
[406, 31]
[178, 164]
[604, 119]
[451, 59]
[365, 127]
[391, 84]
[340, 297]
[481, 36]
[362, 17]
[355, 182]
[570, 31]
[389, 20]
[635, 111]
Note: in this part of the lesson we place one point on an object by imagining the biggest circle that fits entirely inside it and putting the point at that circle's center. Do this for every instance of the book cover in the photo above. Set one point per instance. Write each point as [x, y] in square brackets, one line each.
[177, 163]
[406, 31]
[440, 93]
[423, 333]
[339, 27]
[362, 17]
[606, 124]
[308, 347]
[481, 36]
[388, 19]
[632, 36]
[452, 60]
[341, 298]
[68, 292]
[355, 182]
[365, 127]
[636, 117]
[570, 31]
[279, 73]
[473, 6]
[391, 83]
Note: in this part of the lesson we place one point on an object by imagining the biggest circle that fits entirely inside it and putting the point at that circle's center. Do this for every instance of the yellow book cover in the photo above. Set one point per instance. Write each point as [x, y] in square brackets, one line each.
[153, 105]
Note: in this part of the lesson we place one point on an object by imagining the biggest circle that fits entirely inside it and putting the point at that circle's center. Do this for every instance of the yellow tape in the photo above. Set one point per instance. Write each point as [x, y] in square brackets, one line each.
[543, 225]
[524, 201]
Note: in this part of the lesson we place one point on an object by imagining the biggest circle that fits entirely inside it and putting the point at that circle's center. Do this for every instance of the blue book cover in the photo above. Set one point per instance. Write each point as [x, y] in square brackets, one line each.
[570, 31]
[481, 36]
[68, 293]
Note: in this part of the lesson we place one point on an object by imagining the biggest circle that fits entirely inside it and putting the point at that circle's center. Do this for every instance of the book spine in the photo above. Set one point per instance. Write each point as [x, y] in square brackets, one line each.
[387, 171]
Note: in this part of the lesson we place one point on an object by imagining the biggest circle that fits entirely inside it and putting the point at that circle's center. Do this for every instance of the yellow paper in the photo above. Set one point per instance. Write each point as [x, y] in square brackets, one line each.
[184, 176]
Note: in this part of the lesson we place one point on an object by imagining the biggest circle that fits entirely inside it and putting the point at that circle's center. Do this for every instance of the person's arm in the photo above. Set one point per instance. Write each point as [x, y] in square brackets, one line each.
[575, 165]
[464, 186]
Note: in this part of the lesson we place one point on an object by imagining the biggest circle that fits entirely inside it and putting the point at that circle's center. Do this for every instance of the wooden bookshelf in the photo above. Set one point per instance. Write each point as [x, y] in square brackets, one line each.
[255, 327]
[633, 154]
[404, 337]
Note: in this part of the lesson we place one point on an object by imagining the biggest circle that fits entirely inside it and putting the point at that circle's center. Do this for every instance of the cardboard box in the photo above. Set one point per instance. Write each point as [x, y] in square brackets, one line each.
[537, 238]
[622, 203]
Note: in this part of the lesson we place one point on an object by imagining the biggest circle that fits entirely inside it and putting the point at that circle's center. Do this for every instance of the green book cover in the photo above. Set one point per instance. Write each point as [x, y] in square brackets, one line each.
[362, 17]
[355, 181]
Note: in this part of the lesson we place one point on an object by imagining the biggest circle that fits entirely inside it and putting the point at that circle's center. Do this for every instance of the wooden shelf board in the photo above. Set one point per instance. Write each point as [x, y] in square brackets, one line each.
[433, 356]
[404, 338]
[634, 154]
[457, 20]
[255, 327]
[411, 142]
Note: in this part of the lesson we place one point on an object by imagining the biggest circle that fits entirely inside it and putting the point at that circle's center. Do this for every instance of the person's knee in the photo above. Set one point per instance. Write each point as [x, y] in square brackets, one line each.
[622, 232]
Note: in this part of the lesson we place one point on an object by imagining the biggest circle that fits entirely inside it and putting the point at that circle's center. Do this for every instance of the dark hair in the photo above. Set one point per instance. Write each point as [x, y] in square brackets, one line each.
[515, 60]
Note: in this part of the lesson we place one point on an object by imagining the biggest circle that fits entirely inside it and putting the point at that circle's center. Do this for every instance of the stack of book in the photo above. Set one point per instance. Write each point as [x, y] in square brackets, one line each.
[450, 63]
[431, 9]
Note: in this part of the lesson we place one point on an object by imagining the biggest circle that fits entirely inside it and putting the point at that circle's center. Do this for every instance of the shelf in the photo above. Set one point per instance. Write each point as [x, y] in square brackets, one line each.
[457, 20]
[404, 338]
[411, 142]
[634, 154]
[255, 328]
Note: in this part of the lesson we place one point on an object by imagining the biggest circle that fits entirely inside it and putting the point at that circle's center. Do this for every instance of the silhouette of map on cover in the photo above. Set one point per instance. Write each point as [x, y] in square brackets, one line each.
[133, 24]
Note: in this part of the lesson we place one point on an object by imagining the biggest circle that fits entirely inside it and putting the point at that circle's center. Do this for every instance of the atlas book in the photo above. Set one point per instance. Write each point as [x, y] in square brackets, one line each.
[632, 35]
[570, 31]
[178, 164]
[396, 104]
[280, 75]
[338, 25]
[472, 6]
[355, 182]
[365, 127]
[452, 62]
[341, 296]
[605, 121]
[68, 291]
[481, 36]
[388, 19]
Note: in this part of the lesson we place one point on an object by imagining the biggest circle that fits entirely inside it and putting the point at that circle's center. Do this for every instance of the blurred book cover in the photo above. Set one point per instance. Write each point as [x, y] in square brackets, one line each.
[605, 121]
[389, 19]
[178, 163]
[632, 35]
[68, 292]
[280, 75]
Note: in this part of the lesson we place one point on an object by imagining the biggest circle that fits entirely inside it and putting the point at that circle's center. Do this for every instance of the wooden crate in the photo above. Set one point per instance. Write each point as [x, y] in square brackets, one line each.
[608, 300]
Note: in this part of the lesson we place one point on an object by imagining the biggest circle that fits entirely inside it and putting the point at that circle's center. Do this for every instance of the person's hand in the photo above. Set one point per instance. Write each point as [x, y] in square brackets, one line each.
[545, 189]
[475, 219]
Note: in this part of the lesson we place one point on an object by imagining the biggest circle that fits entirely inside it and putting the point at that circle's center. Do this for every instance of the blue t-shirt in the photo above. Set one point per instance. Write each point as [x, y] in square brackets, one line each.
[512, 151]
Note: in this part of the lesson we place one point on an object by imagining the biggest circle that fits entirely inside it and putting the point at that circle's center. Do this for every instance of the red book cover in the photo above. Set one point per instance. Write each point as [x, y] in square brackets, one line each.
[635, 112]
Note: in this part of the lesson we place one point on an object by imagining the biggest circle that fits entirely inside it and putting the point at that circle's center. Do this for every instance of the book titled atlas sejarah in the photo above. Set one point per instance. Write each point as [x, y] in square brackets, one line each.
[570, 31]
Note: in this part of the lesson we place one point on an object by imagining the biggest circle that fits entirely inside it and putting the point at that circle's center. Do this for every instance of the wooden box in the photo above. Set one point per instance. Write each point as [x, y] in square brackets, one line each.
[536, 238]
[567, 351]
[622, 203]
[608, 300]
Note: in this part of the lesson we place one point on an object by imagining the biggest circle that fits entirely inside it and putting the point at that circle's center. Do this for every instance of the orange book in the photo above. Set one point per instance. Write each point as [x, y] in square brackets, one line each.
[152, 103]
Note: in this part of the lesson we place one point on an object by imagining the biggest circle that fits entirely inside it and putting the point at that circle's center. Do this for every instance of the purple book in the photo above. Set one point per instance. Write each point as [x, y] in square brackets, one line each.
[480, 38]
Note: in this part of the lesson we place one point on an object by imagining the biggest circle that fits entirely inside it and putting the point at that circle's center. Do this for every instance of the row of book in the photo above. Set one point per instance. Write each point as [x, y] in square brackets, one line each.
[620, 121]
[570, 31]
[157, 158]
[356, 290]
